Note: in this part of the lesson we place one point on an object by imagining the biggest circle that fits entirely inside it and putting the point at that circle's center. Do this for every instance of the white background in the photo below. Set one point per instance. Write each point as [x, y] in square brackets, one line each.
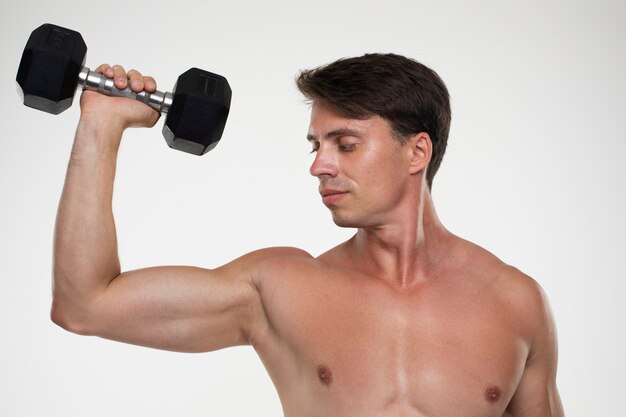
[535, 172]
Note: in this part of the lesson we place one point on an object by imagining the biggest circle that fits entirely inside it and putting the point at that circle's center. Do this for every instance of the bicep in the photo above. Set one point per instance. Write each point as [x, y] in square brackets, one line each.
[536, 395]
[177, 308]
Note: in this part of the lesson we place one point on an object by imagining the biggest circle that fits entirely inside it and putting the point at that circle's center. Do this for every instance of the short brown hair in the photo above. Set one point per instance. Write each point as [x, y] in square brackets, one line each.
[409, 95]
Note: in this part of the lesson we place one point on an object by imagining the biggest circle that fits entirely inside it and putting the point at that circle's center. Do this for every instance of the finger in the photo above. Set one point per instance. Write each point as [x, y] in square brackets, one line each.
[119, 77]
[149, 84]
[105, 69]
[136, 80]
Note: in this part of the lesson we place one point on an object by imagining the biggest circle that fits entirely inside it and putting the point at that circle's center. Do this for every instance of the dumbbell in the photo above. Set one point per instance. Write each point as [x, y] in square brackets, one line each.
[51, 69]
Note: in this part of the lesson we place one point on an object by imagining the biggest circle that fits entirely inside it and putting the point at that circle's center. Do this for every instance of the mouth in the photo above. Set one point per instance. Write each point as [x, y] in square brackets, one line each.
[330, 196]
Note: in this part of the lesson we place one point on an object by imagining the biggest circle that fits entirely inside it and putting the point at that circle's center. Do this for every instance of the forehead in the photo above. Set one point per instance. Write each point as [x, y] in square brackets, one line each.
[327, 123]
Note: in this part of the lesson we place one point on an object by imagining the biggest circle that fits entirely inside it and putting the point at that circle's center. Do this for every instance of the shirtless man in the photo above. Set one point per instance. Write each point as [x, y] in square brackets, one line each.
[403, 319]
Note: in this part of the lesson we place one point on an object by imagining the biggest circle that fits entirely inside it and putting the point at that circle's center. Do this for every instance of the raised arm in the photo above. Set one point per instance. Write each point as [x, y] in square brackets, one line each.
[174, 308]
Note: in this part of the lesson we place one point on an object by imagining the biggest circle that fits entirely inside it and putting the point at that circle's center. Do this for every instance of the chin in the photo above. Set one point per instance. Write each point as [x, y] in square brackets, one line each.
[346, 221]
[342, 223]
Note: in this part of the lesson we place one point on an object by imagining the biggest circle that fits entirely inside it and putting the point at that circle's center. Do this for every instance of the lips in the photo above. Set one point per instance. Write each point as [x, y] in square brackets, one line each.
[330, 195]
[329, 191]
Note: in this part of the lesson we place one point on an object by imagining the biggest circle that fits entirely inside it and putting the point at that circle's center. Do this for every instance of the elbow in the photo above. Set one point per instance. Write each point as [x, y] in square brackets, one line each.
[63, 316]
[71, 308]
[58, 317]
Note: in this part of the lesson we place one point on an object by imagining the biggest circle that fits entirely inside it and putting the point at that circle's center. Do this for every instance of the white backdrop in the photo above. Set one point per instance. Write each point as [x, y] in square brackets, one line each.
[535, 172]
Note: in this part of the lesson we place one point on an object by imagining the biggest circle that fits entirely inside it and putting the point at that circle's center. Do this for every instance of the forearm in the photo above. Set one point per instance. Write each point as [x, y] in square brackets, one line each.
[85, 247]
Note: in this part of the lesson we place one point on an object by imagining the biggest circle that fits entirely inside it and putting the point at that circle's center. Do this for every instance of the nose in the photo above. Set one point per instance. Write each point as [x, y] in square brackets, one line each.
[323, 164]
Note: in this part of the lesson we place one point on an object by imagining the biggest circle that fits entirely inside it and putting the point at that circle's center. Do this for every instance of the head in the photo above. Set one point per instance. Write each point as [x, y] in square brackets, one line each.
[408, 95]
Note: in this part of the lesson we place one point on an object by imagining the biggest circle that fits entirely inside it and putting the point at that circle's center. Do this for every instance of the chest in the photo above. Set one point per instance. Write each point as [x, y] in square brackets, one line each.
[384, 348]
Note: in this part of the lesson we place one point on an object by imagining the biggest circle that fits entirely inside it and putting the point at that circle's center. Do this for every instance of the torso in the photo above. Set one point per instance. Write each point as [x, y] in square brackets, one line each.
[339, 342]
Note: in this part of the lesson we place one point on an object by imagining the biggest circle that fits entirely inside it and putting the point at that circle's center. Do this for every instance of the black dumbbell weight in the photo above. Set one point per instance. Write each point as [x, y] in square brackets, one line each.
[51, 69]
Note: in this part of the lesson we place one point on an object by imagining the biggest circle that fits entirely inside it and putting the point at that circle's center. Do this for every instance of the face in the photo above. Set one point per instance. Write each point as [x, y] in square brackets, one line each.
[363, 172]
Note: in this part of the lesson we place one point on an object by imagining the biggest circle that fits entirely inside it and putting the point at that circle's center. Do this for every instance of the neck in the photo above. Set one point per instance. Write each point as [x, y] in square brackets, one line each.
[404, 250]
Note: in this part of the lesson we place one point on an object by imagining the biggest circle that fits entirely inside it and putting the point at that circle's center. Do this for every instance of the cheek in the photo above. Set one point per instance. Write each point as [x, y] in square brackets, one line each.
[385, 179]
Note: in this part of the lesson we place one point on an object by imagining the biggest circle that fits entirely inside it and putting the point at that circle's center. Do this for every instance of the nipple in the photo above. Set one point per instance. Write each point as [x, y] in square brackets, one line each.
[325, 375]
[492, 393]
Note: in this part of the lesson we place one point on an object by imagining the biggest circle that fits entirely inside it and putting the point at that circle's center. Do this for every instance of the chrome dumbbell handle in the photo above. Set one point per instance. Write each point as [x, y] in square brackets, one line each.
[95, 81]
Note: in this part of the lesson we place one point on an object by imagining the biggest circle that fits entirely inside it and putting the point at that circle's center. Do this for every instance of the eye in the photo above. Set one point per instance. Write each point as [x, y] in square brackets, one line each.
[347, 147]
[316, 147]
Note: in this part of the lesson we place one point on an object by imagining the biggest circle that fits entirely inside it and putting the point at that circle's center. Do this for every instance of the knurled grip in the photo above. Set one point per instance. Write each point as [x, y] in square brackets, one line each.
[95, 81]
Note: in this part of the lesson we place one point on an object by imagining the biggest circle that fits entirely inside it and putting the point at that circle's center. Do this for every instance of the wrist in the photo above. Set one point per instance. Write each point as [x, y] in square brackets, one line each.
[97, 134]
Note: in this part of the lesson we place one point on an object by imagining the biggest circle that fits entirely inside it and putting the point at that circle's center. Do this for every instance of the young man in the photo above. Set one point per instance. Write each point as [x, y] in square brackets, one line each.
[403, 319]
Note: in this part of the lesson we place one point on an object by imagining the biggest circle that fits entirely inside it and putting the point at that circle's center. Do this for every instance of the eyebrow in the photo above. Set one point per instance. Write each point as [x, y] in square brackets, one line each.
[344, 131]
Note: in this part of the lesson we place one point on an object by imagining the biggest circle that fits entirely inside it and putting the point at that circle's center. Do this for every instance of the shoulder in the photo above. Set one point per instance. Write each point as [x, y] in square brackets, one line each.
[280, 255]
[518, 296]
[528, 305]
[508, 285]
[268, 261]
[520, 290]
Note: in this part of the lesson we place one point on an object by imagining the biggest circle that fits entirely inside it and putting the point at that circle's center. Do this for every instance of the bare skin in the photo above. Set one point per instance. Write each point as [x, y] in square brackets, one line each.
[403, 319]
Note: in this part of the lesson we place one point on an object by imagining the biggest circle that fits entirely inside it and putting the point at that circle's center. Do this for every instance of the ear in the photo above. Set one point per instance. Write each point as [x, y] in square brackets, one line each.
[421, 150]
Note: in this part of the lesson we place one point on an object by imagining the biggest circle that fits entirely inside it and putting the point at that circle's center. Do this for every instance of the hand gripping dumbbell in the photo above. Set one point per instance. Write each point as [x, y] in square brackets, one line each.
[51, 69]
